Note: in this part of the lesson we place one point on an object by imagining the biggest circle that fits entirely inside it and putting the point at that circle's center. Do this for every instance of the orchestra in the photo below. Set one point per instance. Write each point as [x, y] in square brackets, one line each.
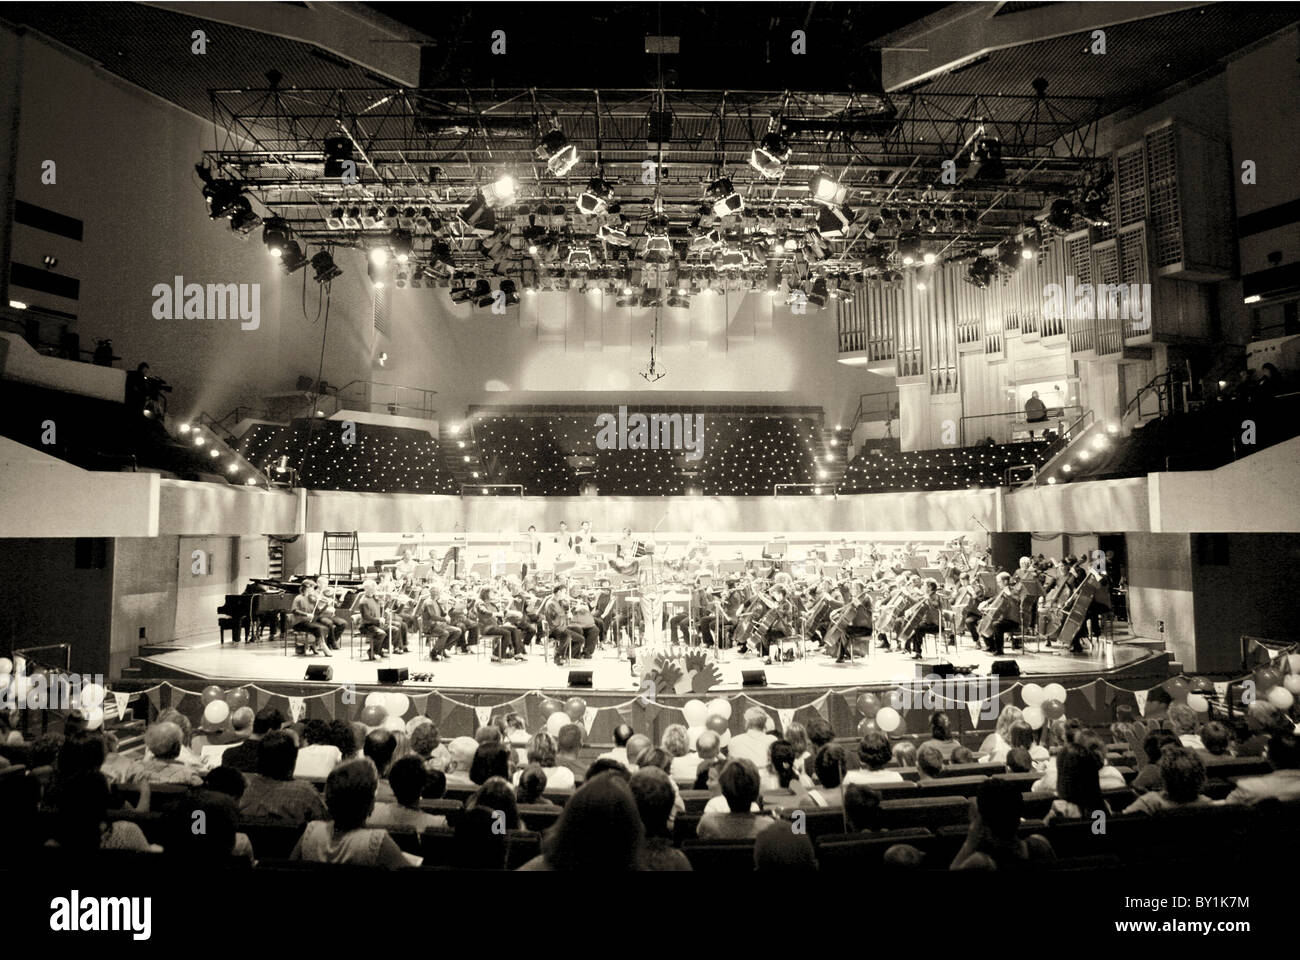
[838, 599]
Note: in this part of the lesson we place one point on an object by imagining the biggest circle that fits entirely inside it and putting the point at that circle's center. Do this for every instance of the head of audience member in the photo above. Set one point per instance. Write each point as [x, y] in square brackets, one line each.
[163, 740]
[1284, 751]
[406, 777]
[820, 733]
[1000, 804]
[350, 793]
[379, 747]
[874, 750]
[569, 740]
[1019, 761]
[797, 734]
[862, 808]
[654, 796]
[344, 737]
[277, 756]
[490, 760]
[780, 759]
[655, 757]
[1119, 732]
[463, 750]
[1156, 741]
[904, 754]
[532, 782]
[622, 734]
[488, 734]
[1076, 778]
[606, 765]
[266, 720]
[1264, 717]
[740, 785]
[784, 851]
[903, 856]
[599, 829]
[1020, 734]
[1181, 719]
[1008, 716]
[940, 726]
[497, 794]
[637, 744]
[829, 764]
[929, 761]
[756, 718]
[82, 752]
[316, 732]
[962, 755]
[1182, 773]
[424, 740]
[435, 784]
[541, 749]
[172, 715]
[676, 741]
[708, 744]
[227, 780]
[242, 721]
[1217, 738]
[82, 812]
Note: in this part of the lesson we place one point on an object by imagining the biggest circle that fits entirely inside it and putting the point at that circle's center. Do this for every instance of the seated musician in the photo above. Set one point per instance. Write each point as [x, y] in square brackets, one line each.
[374, 623]
[303, 617]
[582, 621]
[458, 608]
[1003, 625]
[328, 615]
[698, 608]
[932, 612]
[490, 625]
[556, 613]
[602, 607]
[1028, 595]
[778, 622]
[406, 566]
[972, 594]
[436, 625]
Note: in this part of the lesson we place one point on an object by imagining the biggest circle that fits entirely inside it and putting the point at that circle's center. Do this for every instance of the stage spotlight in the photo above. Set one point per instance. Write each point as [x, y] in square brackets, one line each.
[335, 219]
[826, 189]
[510, 291]
[501, 192]
[243, 220]
[981, 272]
[184, 428]
[560, 155]
[275, 234]
[819, 293]
[596, 198]
[986, 160]
[379, 256]
[614, 233]
[909, 249]
[1061, 213]
[377, 271]
[833, 221]
[477, 215]
[928, 258]
[723, 198]
[1093, 206]
[220, 195]
[400, 242]
[1030, 241]
[872, 228]
[770, 156]
[325, 268]
[371, 218]
[291, 258]
[1009, 254]
[338, 156]
[482, 293]
[352, 218]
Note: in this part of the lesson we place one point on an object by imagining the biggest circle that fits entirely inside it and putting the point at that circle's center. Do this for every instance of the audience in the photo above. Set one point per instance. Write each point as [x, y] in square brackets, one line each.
[862, 808]
[1283, 783]
[462, 753]
[380, 747]
[783, 851]
[708, 745]
[320, 755]
[407, 778]
[638, 744]
[653, 791]
[929, 761]
[1019, 761]
[753, 744]
[1182, 778]
[490, 760]
[163, 763]
[829, 768]
[531, 782]
[991, 841]
[272, 793]
[345, 838]
[84, 821]
[622, 734]
[874, 753]
[738, 815]
[941, 735]
[1216, 740]
[1078, 787]
[1149, 777]
[903, 754]
[676, 743]
[568, 743]
[542, 751]
[243, 756]
[599, 830]
[779, 778]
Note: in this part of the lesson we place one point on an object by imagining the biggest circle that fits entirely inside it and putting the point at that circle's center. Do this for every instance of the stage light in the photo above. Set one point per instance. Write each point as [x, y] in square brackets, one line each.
[833, 221]
[17, 305]
[325, 268]
[214, 452]
[510, 291]
[819, 293]
[1061, 213]
[184, 428]
[723, 198]
[596, 198]
[220, 195]
[371, 219]
[233, 468]
[614, 233]
[909, 249]
[1095, 197]
[826, 189]
[242, 218]
[981, 272]
[1114, 427]
[1030, 242]
[335, 219]
[560, 155]
[292, 258]
[501, 192]
[920, 285]
[199, 440]
[282, 465]
[1009, 254]
[400, 242]
[1066, 468]
[377, 271]
[1051, 479]
[275, 234]
[379, 256]
[770, 156]
[352, 218]
[986, 160]
[338, 156]
[928, 258]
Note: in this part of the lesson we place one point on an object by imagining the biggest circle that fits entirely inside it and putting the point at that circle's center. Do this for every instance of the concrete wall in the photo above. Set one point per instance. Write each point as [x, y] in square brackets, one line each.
[1160, 589]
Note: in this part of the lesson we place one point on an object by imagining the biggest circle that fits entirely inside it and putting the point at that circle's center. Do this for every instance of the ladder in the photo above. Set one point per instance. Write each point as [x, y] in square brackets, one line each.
[340, 554]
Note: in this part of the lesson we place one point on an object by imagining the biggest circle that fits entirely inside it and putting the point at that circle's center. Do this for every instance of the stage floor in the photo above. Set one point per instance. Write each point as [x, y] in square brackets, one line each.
[267, 662]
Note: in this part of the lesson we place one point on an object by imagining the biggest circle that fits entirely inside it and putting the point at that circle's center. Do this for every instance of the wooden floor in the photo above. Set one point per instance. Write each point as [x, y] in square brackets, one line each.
[267, 661]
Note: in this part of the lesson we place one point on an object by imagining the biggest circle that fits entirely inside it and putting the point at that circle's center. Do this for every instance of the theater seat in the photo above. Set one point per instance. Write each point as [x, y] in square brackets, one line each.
[271, 839]
[866, 850]
[720, 856]
[950, 787]
[927, 812]
[538, 816]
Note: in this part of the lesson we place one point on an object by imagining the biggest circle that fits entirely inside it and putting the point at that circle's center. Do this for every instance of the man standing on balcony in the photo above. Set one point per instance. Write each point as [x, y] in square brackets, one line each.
[1035, 411]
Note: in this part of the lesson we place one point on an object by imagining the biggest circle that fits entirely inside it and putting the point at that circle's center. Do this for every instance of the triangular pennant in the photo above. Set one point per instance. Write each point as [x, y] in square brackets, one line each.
[589, 717]
[1089, 691]
[820, 705]
[1221, 688]
[121, 700]
[297, 707]
[975, 708]
[1141, 696]
[484, 715]
[154, 696]
[786, 717]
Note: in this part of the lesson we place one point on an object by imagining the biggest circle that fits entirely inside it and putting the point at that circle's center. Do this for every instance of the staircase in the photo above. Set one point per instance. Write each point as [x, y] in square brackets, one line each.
[833, 457]
[452, 451]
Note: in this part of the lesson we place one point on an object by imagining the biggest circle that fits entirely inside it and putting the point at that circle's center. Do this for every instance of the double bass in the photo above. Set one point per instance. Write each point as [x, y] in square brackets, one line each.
[1004, 606]
[837, 639]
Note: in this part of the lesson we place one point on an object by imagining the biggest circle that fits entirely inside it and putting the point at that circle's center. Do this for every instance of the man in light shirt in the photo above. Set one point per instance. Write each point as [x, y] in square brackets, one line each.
[874, 752]
[637, 745]
[462, 751]
[752, 745]
[319, 756]
[1283, 783]
[622, 734]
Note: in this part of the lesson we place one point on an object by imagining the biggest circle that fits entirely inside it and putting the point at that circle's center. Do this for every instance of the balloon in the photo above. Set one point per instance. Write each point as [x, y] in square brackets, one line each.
[237, 698]
[373, 715]
[557, 722]
[720, 708]
[1177, 688]
[92, 695]
[1052, 709]
[216, 713]
[377, 699]
[1266, 679]
[6, 665]
[866, 725]
[1281, 697]
[576, 708]
[1291, 681]
[397, 704]
[1292, 662]
[94, 719]
[549, 706]
[888, 719]
[1202, 685]
[1033, 716]
[1032, 694]
[5, 680]
[1198, 703]
[696, 713]
[1054, 691]
[717, 723]
[693, 733]
[211, 693]
[394, 724]
[868, 704]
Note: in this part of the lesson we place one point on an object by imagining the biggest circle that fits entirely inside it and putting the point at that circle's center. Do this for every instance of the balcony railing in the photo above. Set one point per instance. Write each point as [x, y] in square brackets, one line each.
[1000, 426]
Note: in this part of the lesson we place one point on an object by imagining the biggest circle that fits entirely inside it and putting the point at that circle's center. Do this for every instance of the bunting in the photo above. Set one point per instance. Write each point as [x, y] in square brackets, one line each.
[1141, 696]
[297, 708]
[785, 716]
[976, 707]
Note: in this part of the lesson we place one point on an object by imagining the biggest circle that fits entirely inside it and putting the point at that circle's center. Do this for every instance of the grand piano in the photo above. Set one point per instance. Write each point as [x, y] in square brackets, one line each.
[266, 603]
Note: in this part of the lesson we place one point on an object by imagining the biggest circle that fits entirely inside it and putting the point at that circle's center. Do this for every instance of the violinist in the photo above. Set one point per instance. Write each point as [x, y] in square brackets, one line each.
[775, 625]
[302, 617]
[602, 608]
[556, 613]
[437, 624]
[490, 625]
[969, 596]
[374, 623]
[328, 615]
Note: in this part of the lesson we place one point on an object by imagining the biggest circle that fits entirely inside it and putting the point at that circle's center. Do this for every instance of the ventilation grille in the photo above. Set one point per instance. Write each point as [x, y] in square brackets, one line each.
[1162, 192]
[381, 311]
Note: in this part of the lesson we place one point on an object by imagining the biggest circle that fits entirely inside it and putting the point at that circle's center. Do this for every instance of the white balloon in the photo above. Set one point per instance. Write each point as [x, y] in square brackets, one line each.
[696, 713]
[92, 695]
[377, 699]
[397, 704]
[1054, 691]
[1281, 697]
[216, 713]
[721, 707]
[1033, 716]
[6, 665]
[394, 724]
[1033, 694]
[1198, 703]
[5, 680]
[557, 722]
[1291, 681]
[95, 719]
[693, 732]
[888, 719]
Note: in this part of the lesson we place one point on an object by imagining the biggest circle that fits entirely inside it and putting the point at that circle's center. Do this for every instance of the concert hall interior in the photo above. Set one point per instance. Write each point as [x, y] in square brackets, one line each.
[503, 374]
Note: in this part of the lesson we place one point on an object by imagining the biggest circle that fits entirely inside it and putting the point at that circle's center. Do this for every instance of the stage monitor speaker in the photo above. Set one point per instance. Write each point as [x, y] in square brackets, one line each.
[1005, 668]
[580, 678]
[753, 678]
[319, 671]
[941, 670]
[394, 674]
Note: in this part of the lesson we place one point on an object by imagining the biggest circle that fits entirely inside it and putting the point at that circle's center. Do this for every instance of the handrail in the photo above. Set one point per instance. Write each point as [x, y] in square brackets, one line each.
[424, 408]
[1160, 384]
[492, 486]
[1012, 413]
[1067, 437]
